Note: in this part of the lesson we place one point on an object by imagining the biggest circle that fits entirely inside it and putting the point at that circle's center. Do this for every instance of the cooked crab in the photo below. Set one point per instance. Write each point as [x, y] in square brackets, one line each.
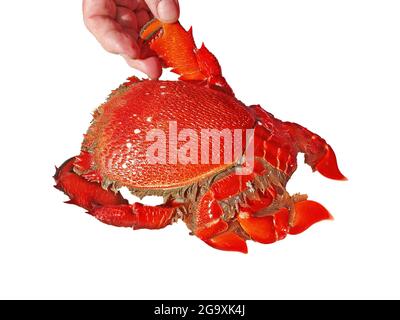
[223, 203]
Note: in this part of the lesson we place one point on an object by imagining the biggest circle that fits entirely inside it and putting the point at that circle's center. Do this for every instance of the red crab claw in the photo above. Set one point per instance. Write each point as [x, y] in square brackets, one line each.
[318, 154]
[268, 229]
[209, 226]
[228, 241]
[307, 213]
[176, 48]
[328, 166]
[107, 206]
[275, 227]
[81, 192]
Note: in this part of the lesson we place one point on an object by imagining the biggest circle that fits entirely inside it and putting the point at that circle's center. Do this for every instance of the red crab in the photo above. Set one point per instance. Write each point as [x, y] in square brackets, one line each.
[220, 206]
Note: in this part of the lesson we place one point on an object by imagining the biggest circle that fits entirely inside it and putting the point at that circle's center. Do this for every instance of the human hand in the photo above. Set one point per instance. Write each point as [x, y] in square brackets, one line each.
[116, 25]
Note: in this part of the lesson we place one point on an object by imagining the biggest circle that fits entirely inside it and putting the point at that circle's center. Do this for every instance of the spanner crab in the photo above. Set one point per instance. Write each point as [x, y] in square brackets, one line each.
[219, 206]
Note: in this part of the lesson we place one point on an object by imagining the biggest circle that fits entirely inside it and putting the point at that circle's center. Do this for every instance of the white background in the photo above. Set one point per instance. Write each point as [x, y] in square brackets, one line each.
[333, 66]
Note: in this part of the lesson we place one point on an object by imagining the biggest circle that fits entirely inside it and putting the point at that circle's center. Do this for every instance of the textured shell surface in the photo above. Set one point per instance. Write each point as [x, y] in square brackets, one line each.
[119, 137]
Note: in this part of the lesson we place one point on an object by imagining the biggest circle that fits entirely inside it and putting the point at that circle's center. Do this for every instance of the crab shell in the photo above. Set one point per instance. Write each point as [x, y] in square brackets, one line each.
[120, 137]
[220, 206]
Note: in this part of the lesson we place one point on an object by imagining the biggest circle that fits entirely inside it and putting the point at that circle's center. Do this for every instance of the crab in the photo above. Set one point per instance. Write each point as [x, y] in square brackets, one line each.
[223, 203]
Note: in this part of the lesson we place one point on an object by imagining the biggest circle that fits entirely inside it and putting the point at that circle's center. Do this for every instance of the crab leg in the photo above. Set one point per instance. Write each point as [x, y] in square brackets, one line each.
[276, 226]
[176, 48]
[209, 225]
[214, 230]
[268, 229]
[109, 207]
[208, 222]
[318, 154]
[137, 215]
[82, 192]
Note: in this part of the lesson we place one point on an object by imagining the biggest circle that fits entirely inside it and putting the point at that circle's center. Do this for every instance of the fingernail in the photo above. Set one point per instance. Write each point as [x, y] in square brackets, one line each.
[168, 10]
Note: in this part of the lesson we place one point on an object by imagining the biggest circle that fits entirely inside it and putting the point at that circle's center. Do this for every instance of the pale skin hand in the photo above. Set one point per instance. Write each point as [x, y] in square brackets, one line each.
[116, 25]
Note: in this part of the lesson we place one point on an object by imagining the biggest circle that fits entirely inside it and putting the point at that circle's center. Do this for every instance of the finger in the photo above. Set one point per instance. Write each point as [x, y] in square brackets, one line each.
[150, 66]
[134, 33]
[142, 5]
[142, 17]
[99, 17]
[126, 18]
[130, 4]
[112, 37]
[165, 10]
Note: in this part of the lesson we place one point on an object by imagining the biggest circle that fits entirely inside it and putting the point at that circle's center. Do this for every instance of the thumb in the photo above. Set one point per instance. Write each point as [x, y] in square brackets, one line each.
[164, 10]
